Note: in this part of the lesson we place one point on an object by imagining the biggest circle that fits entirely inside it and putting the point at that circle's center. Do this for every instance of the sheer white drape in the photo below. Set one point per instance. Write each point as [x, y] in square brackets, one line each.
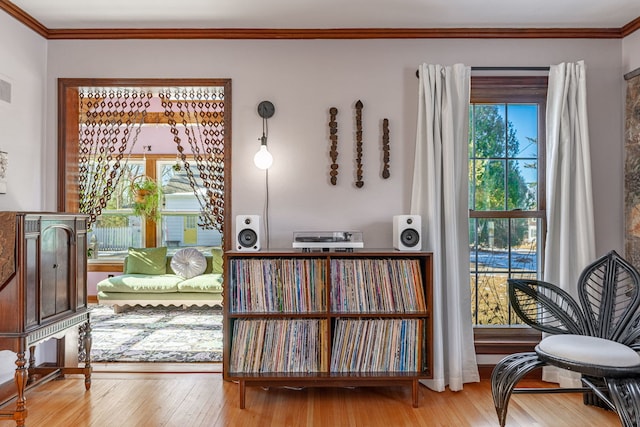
[570, 242]
[440, 196]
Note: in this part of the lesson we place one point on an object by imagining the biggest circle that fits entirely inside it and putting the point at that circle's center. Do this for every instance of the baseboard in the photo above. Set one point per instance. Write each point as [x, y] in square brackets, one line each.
[92, 299]
[485, 373]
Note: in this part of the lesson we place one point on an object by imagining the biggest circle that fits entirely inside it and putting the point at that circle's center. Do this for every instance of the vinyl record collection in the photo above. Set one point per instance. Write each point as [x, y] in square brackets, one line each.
[373, 285]
[278, 345]
[376, 345]
[277, 285]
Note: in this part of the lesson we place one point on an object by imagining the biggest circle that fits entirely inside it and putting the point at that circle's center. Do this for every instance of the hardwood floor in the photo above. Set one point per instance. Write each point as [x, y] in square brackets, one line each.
[170, 399]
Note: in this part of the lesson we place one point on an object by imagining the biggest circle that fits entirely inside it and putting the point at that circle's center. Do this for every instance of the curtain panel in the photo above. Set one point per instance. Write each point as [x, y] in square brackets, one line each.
[110, 122]
[440, 196]
[570, 242]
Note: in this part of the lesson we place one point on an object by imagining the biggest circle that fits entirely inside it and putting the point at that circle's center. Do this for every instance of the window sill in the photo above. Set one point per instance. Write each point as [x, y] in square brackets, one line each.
[104, 266]
[506, 340]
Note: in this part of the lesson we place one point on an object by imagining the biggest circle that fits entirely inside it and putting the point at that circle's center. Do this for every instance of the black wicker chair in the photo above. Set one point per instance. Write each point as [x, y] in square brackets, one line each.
[599, 337]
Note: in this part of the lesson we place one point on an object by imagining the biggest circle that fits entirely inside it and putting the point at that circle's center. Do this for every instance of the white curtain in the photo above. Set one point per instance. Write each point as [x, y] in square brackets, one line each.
[440, 196]
[570, 242]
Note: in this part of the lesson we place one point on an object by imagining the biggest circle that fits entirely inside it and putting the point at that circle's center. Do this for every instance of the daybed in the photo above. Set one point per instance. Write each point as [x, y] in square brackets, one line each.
[151, 277]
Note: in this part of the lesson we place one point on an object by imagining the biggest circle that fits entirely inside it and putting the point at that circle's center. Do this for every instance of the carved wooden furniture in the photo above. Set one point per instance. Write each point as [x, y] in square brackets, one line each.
[315, 319]
[43, 273]
[598, 337]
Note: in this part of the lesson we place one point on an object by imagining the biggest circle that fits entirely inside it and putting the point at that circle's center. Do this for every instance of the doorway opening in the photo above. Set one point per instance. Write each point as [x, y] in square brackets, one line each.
[161, 144]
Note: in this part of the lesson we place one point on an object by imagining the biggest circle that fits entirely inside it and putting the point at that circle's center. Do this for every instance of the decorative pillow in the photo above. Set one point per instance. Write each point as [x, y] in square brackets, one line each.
[216, 261]
[188, 262]
[147, 261]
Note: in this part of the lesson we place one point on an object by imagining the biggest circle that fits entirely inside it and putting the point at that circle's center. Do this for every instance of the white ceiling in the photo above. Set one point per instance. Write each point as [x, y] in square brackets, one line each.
[322, 14]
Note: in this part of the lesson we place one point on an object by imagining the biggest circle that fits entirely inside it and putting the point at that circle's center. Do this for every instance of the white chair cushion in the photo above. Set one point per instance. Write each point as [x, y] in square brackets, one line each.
[188, 262]
[589, 350]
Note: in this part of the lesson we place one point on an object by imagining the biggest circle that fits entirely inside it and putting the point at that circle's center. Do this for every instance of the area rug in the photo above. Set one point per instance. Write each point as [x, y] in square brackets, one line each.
[156, 334]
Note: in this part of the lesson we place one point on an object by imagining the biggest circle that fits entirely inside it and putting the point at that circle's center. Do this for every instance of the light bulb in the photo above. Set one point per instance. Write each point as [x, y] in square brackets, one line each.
[263, 158]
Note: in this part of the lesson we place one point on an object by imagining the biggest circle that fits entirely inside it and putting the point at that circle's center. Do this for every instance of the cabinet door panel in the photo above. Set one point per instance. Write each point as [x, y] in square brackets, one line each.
[81, 269]
[55, 269]
[48, 265]
[32, 262]
[63, 270]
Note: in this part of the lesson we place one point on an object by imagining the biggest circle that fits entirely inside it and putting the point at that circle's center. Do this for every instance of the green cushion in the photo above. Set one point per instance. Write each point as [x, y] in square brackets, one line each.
[211, 283]
[216, 261]
[140, 298]
[147, 261]
[152, 283]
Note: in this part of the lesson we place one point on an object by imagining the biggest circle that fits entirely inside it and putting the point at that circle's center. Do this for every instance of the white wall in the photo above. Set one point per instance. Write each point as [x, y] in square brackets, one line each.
[23, 64]
[631, 52]
[304, 78]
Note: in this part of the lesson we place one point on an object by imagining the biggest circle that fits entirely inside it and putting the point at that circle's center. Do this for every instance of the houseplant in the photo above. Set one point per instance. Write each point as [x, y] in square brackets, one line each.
[147, 196]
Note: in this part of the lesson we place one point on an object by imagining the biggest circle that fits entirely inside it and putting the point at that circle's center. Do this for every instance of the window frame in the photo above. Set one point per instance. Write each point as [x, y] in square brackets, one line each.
[513, 89]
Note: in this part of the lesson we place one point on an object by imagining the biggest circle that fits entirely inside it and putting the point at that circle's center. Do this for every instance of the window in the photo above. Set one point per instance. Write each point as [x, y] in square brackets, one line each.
[118, 228]
[506, 190]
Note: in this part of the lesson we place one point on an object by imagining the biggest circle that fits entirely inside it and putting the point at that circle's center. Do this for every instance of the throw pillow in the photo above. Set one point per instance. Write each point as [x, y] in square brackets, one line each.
[188, 262]
[147, 261]
[216, 261]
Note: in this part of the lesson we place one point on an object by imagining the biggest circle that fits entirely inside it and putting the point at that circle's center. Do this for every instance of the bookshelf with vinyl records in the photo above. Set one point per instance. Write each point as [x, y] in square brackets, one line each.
[327, 319]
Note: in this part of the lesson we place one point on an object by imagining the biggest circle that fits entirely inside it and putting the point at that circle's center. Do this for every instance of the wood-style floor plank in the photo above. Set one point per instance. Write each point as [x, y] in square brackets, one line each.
[120, 399]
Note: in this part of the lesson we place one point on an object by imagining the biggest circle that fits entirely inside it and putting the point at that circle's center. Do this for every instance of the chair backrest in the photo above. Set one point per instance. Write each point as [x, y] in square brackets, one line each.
[609, 292]
[608, 307]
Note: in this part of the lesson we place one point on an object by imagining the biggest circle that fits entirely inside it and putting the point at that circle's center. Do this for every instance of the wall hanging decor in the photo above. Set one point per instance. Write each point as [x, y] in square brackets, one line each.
[359, 181]
[385, 149]
[333, 137]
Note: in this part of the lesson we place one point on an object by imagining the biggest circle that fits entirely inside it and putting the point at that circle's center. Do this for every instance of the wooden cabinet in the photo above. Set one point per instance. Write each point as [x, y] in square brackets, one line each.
[43, 276]
[327, 318]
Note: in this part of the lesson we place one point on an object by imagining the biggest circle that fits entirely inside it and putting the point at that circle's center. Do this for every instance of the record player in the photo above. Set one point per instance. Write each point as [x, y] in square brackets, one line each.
[326, 241]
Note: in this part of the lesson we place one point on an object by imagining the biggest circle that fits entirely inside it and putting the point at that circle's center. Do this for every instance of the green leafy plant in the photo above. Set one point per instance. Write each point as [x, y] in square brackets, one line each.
[147, 196]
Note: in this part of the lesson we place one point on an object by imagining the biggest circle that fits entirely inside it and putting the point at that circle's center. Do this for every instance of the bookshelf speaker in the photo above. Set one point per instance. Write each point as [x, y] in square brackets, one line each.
[407, 230]
[248, 232]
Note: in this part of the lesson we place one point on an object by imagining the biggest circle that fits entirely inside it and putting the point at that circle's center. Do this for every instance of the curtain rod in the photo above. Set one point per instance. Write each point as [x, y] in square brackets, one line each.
[503, 69]
[510, 68]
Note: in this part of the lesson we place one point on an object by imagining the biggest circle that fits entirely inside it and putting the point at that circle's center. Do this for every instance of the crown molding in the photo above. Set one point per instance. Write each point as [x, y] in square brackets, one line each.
[335, 33]
[330, 33]
[630, 27]
[23, 17]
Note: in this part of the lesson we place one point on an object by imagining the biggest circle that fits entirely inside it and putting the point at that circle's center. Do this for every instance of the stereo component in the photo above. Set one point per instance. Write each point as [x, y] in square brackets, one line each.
[407, 230]
[248, 233]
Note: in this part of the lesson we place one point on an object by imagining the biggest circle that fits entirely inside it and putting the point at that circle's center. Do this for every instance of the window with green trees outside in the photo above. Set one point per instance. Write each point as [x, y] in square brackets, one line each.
[506, 191]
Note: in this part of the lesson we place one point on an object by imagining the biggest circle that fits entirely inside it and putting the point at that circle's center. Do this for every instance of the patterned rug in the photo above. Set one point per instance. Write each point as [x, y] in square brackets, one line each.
[156, 334]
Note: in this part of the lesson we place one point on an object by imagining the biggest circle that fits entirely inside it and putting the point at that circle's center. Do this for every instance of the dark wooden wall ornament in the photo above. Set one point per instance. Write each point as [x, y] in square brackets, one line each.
[333, 137]
[385, 149]
[359, 181]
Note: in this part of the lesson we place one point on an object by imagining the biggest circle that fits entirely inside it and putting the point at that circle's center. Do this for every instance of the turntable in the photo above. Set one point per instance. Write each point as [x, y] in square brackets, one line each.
[326, 241]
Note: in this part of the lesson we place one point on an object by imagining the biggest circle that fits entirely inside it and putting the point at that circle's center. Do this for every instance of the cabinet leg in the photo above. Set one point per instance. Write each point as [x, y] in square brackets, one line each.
[32, 357]
[87, 341]
[32, 362]
[242, 391]
[415, 393]
[20, 377]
